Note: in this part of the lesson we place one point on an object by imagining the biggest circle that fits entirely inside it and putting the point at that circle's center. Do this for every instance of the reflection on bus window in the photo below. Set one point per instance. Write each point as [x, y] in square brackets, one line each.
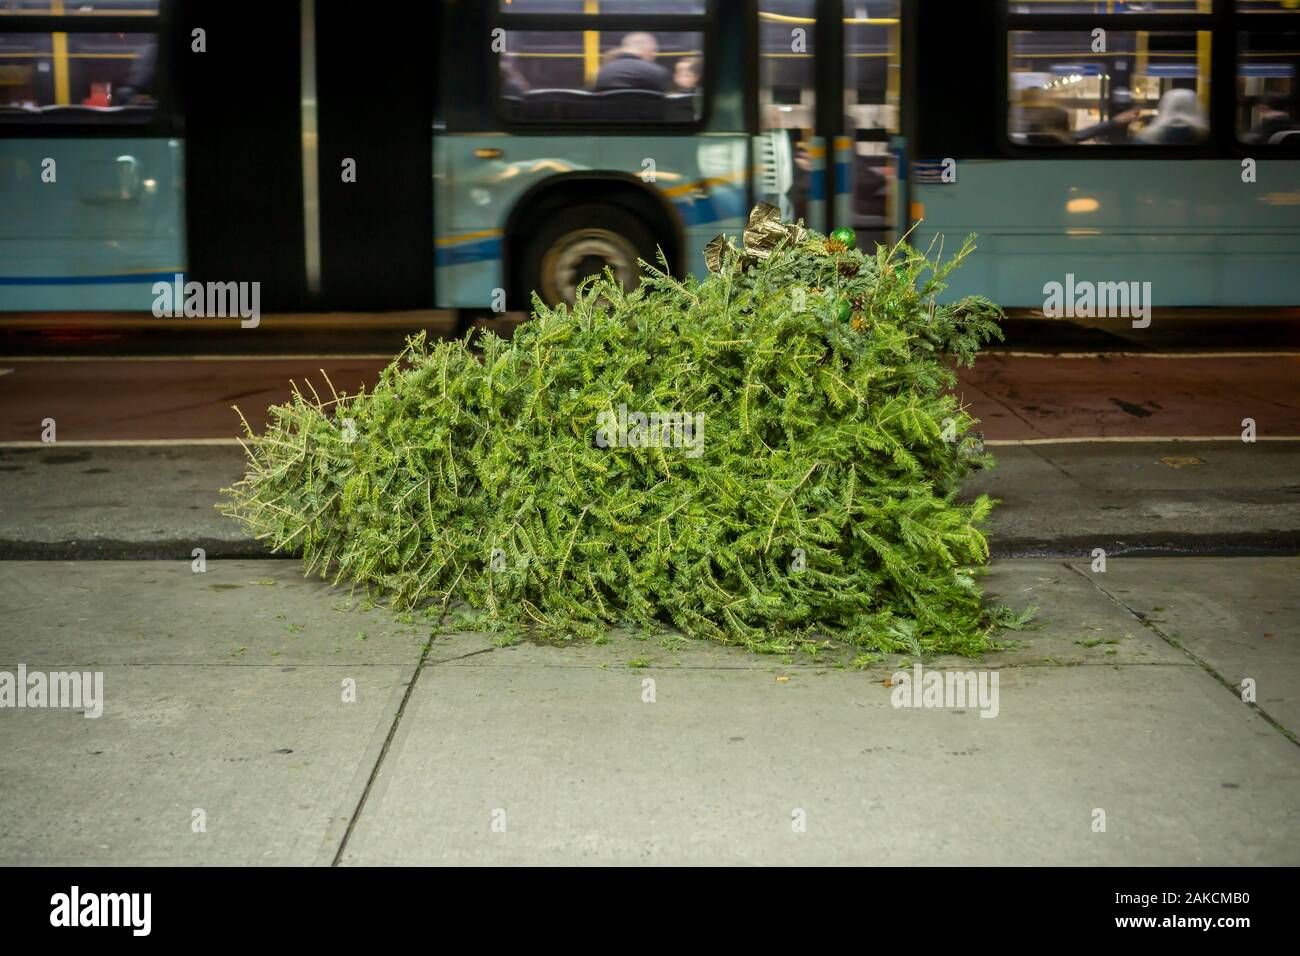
[81, 8]
[590, 76]
[652, 7]
[1145, 89]
[1268, 6]
[1099, 7]
[108, 73]
[1266, 88]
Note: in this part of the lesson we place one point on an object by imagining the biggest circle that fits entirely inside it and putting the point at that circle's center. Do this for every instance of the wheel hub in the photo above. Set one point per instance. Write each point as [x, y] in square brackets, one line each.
[587, 252]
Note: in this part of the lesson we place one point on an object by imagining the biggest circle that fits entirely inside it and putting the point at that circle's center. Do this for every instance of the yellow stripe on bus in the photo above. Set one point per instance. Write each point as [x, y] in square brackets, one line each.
[469, 237]
[690, 187]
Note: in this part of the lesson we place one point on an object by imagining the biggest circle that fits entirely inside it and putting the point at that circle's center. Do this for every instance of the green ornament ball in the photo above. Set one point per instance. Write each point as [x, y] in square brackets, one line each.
[843, 309]
[845, 235]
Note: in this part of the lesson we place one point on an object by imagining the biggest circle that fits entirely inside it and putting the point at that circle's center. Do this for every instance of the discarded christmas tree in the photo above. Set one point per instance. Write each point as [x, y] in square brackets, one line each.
[765, 457]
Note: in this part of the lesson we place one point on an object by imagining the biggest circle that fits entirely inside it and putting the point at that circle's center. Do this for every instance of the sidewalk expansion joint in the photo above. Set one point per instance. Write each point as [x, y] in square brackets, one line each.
[1179, 646]
[388, 740]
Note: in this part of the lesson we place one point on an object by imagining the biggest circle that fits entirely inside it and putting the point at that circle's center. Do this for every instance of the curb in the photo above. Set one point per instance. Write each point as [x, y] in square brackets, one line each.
[1174, 544]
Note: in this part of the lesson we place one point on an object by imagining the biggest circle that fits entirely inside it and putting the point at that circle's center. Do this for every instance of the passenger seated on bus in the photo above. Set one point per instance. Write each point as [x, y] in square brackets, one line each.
[1116, 129]
[1037, 120]
[16, 87]
[512, 81]
[1272, 116]
[686, 75]
[1179, 120]
[632, 66]
[138, 88]
[1044, 126]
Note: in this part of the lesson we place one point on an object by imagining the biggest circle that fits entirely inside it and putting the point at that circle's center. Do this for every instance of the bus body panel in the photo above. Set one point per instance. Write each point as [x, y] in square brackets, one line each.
[703, 177]
[1193, 229]
[98, 237]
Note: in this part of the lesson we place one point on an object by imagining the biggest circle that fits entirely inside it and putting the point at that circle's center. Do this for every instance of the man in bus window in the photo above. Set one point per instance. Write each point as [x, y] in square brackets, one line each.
[632, 66]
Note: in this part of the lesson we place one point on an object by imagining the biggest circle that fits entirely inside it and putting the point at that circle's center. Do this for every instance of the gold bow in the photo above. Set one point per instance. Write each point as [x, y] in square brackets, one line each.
[763, 233]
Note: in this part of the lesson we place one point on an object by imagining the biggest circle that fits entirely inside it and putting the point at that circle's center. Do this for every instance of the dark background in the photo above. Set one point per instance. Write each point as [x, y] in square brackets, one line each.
[242, 126]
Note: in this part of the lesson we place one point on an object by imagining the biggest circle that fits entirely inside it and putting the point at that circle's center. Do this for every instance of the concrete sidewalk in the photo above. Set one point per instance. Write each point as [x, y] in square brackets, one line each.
[225, 703]
[158, 502]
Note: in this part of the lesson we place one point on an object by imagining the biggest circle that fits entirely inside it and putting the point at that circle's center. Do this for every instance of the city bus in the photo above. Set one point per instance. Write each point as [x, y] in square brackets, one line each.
[558, 164]
[467, 154]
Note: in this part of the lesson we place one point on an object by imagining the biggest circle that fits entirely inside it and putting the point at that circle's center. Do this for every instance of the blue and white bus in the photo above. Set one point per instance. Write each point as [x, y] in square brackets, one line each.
[91, 177]
[466, 153]
[558, 164]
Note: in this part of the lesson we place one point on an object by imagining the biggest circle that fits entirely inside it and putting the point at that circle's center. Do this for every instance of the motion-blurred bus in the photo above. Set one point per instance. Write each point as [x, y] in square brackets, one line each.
[468, 153]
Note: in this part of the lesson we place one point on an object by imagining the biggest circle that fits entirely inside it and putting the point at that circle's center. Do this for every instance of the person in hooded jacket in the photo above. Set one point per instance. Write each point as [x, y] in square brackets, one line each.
[1179, 121]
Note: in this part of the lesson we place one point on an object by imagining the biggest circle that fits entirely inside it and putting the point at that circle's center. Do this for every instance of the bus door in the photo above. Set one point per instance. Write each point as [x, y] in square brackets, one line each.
[829, 147]
[309, 165]
[868, 150]
[789, 152]
[245, 128]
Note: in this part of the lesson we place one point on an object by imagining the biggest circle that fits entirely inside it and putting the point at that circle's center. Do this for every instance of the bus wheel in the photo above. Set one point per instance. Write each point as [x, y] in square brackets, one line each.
[581, 242]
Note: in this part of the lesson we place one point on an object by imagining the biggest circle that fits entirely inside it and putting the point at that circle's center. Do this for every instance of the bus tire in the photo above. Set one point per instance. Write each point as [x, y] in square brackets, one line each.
[580, 241]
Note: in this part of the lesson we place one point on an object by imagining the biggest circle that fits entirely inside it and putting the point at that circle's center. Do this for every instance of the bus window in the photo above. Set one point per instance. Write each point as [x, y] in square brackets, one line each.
[639, 7]
[103, 72]
[597, 77]
[1109, 6]
[871, 67]
[81, 7]
[1143, 88]
[82, 71]
[1266, 88]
